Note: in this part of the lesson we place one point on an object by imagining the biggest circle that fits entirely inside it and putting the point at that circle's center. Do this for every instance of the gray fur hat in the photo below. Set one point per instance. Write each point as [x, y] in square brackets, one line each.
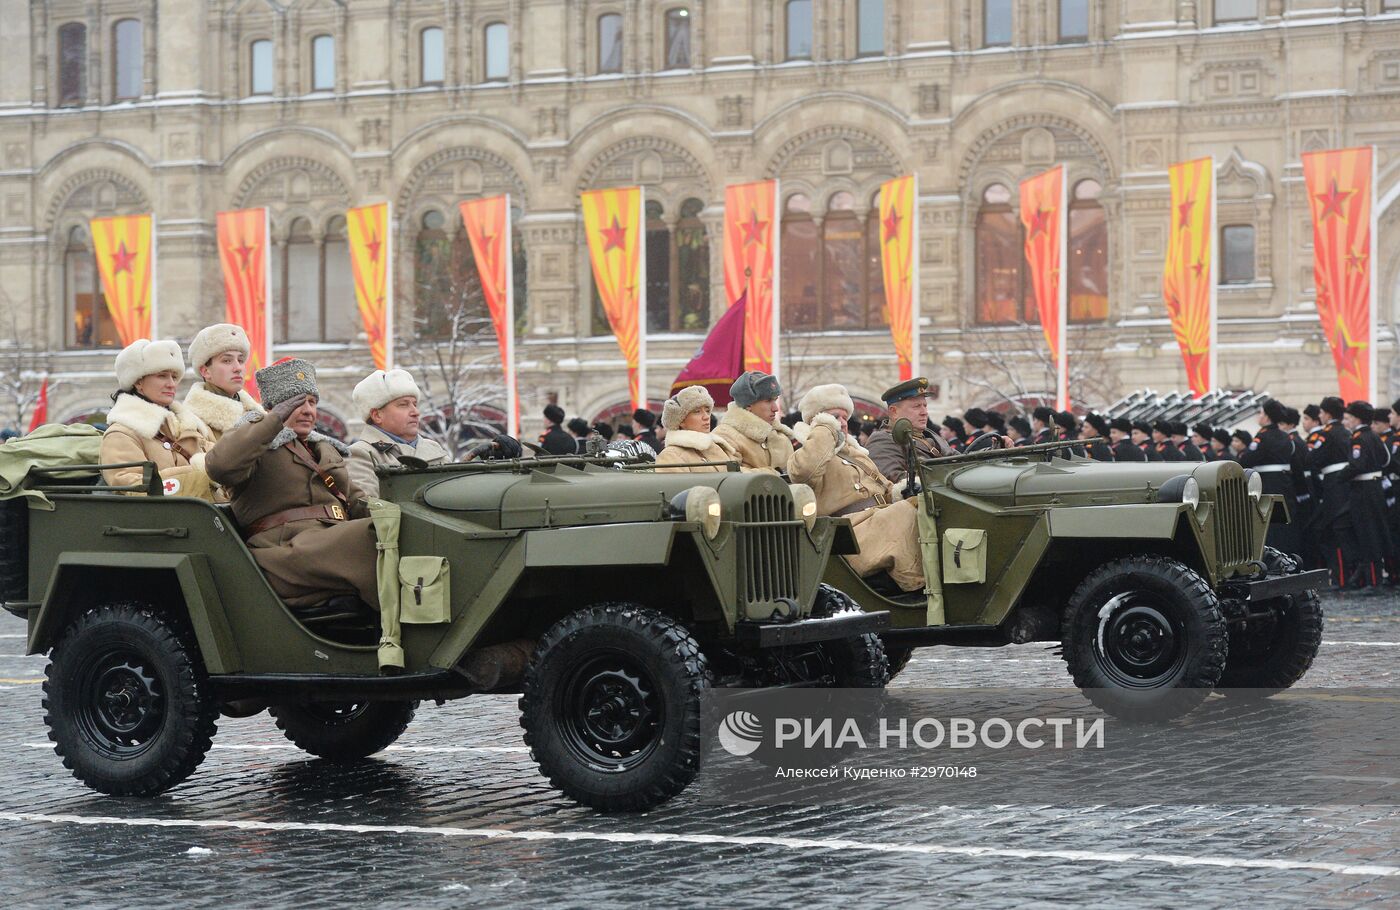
[690, 398]
[754, 386]
[286, 379]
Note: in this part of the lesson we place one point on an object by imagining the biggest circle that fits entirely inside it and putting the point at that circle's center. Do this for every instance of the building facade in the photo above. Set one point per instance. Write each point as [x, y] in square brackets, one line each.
[187, 107]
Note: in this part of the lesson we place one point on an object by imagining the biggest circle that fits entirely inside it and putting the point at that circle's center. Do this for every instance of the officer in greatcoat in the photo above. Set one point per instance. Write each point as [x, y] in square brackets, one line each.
[909, 401]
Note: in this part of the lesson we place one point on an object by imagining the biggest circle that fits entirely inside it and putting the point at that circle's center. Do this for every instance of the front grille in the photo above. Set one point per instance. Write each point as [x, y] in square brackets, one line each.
[1232, 537]
[768, 555]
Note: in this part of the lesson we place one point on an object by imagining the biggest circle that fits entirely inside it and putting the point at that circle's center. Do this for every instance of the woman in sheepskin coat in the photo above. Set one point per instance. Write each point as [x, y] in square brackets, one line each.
[219, 353]
[146, 423]
[689, 442]
[848, 485]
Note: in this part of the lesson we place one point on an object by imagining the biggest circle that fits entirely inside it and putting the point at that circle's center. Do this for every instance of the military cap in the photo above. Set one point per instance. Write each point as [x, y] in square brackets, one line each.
[1333, 405]
[1380, 415]
[1044, 414]
[286, 379]
[1020, 425]
[1066, 420]
[603, 429]
[1291, 416]
[910, 388]
[1315, 412]
[1162, 426]
[1361, 410]
[1202, 430]
[1243, 436]
[955, 425]
[754, 386]
[1097, 422]
[1221, 436]
[1142, 426]
[1395, 405]
[996, 421]
[1121, 424]
[1274, 410]
[644, 417]
[975, 418]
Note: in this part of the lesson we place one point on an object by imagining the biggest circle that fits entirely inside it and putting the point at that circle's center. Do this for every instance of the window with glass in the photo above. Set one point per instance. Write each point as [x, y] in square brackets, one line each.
[870, 28]
[1088, 254]
[1237, 259]
[831, 275]
[323, 63]
[497, 42]
[677, 272]
[126, 59]
[610, 43]
[677, 39]
[447, 284]
[1236, 10]
[430, 57]
[996, 23]
[72, 64]
[317, 302]
[1001, 295]
[90, 324]
[1074, 21]
[798, 30]
[260, 67]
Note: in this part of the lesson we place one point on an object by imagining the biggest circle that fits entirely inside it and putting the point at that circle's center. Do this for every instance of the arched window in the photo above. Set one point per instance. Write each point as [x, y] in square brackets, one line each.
[1237, 254]
[659, 259]
[843, 265]
[430, 57]
[323, 63]
[1074, 21]
[260, 67]
[90, 325]
[691, 293]
[1088, 254]
[1000, 295]
[610, 43]
[126, 59]
[996, 23]
[830, 271]
[445, 281]
[677, 39]
[342, 314]
[301, 285]
[870, 28]
[798, 30]
[497, 52]
[800, 278]
[72, 64]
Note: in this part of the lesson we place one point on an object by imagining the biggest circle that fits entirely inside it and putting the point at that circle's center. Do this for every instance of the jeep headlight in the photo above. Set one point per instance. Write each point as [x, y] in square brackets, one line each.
[1181, 488]
[804, 503]
[701, 505]
[1254, 483]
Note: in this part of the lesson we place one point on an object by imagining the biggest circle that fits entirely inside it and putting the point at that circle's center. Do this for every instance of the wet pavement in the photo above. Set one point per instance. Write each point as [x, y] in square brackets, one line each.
[457, 815]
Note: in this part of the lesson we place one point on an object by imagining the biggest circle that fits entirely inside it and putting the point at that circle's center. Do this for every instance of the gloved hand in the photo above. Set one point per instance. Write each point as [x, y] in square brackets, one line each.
[503, 448]
[283, 410]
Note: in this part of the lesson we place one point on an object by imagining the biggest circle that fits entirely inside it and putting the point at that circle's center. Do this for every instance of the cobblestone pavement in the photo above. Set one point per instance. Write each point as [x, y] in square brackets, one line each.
[457, 815]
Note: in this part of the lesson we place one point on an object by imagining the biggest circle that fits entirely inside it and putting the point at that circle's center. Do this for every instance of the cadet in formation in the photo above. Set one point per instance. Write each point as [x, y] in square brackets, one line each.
[1270, 453]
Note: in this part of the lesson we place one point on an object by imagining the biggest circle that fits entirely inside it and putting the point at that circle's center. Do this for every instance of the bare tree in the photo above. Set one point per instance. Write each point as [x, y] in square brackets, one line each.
[1012, 364]
[23, 367]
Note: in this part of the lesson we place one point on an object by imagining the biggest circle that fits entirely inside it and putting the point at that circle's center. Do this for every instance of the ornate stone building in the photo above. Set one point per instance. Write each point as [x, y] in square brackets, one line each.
[187, 107]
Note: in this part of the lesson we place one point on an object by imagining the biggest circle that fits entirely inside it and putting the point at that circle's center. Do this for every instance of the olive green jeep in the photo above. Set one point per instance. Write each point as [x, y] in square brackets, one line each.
[608, 597]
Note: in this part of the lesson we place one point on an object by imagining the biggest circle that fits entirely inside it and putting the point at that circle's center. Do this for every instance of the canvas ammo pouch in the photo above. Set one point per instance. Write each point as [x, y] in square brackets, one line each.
[424, 596]
[964, 556]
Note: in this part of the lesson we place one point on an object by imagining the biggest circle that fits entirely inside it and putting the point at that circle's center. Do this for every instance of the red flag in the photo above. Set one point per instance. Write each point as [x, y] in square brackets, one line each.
[720, 359]
[1044, 215]
[41, 407]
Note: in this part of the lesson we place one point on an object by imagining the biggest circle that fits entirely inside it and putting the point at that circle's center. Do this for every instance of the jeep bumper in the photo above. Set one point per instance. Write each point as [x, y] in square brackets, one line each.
[1281, 585]
[807, 631]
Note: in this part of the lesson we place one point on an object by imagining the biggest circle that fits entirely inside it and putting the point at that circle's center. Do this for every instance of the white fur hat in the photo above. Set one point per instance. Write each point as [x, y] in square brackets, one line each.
[214, 340]
[690, 398]
[379, 388]
[143, 357]
[824, 397]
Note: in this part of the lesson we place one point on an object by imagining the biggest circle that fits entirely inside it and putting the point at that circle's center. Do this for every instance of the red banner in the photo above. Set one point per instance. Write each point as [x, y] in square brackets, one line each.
[900, 262]
[720, 359]
[1043, 214]
[126, 258]
[751, 267]
[1339, 185]
[243, 238]
[613, 225]
[41, 407]
[488, 228]
[1188, 278]
[370, 255]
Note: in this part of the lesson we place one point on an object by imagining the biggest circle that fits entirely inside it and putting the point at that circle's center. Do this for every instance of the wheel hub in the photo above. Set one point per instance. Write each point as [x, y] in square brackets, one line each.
[1139, 642]
[611, 716]
[122, 706]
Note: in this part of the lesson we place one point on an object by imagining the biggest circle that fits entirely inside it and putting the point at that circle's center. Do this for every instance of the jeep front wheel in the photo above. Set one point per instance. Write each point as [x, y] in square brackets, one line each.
[611, 707]
[127, 702]
[1144, 638]
[343, 731]
[1268, 657]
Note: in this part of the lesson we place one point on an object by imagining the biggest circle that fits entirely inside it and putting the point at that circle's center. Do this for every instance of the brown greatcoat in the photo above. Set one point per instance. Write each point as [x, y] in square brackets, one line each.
[758, 444]
[890, 458]
[841, 473]
[310, 560]
[687, 450]
[132, 426]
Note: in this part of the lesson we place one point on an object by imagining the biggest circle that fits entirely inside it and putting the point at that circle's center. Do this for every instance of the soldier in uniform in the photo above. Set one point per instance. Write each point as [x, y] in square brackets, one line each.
[1200, 438]
[1095, 433]
[1365, 464]
[976, 419]
[1239, 443]
[644, 425]
[1042, 422]
[848, 484]
[1162, 442]
[219, 353]
[1019, 430]
[1120, 430]
[908, 400]
[388, 404]
[554, 440]
[304, 520]
[953, 432]
[1270, 453]
[1142, 438]
[1220, 445]
[1329, 448]
[1390, 483]
[750, 425]
[1183, 445]
[1067, 428]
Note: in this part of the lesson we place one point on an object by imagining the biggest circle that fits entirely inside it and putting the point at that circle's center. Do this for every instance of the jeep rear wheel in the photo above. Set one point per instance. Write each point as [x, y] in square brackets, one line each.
[1144, 638]
[127, 702]
[858, 662]
[343, 731]
[611, 707]
[1268, 658]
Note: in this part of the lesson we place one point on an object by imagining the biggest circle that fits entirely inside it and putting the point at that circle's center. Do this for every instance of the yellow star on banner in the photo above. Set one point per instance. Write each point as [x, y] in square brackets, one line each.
[1350, 350]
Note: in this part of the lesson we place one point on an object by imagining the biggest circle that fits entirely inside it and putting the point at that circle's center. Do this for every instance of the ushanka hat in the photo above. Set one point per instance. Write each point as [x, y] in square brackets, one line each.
[214, 340]
[691, 398]
[1361, 410]
[285, 379]
[753, 387]
[143, 357]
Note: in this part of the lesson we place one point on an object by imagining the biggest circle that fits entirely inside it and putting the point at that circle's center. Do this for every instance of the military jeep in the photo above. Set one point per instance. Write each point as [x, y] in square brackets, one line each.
[1152, 578]
[608, 598]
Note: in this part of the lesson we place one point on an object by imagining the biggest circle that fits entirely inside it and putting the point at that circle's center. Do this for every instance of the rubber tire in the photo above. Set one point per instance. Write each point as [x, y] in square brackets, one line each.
[860, 661]
[677, 669]
[1194, 605]
[14, 549]
[190, 712]
[373, 728]
[1296, 640]
[898, 657]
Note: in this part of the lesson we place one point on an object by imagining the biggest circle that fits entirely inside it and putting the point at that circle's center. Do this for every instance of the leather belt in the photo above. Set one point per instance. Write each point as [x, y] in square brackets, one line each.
[859, 506]
[277, 519]
[1374, 475]
[1332, 468]
[1273, 468]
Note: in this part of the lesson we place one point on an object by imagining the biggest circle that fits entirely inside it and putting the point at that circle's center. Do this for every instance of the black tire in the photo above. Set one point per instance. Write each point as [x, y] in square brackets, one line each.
[898, 656]
[127, 702]
[1144, 638]
[14, 549]
[611, 707]
[343, 731]
[1267, 663]
[858, 662]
